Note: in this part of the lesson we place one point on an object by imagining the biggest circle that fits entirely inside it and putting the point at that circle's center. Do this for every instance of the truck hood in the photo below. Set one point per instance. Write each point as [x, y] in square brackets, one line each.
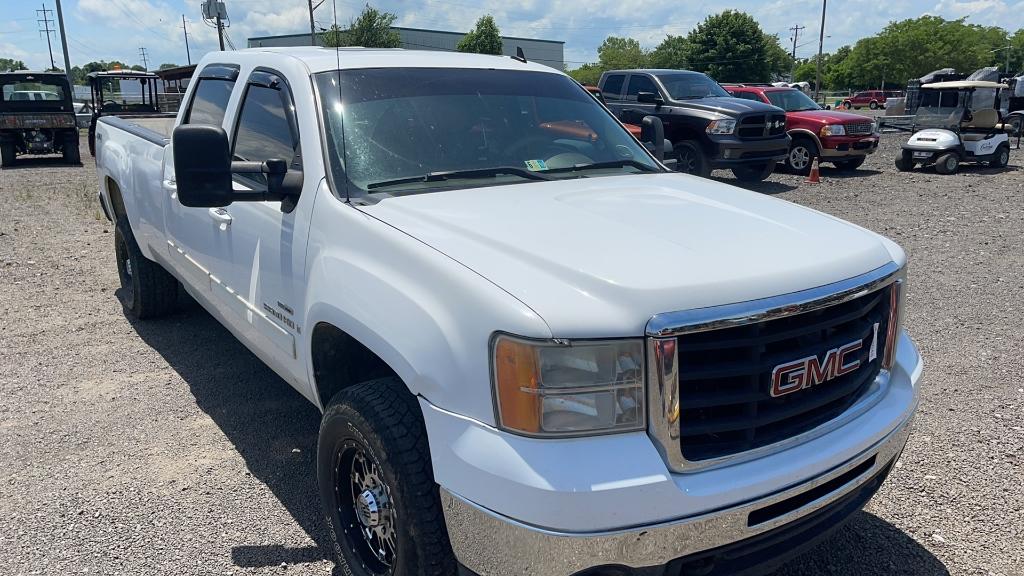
[727, 106]
[597, 257]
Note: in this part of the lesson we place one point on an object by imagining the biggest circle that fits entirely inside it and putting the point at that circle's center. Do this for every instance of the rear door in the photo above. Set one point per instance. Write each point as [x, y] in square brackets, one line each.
[197, 240]
[633, 111]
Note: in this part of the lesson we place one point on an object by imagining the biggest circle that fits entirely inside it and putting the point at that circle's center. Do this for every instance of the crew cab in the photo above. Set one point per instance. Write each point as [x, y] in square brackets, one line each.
[536, 350]
[707, 127]
[842, 138]
[37, 116]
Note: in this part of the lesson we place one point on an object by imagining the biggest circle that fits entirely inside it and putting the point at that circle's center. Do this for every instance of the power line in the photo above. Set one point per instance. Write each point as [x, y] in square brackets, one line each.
[45, 23]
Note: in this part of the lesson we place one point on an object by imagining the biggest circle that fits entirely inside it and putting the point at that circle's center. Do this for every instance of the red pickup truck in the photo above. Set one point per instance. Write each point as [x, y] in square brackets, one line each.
[842, 138]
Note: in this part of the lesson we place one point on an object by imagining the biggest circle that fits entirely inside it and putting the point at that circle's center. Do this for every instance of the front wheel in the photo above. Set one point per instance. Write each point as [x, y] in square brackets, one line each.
[377, 486]
[690, 158]
[904, 162]
[753, 172]
[948, 163]
[849, 165]
[801, 155]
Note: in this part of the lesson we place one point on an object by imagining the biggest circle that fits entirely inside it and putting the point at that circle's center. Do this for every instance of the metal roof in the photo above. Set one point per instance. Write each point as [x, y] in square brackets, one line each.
[956, 84]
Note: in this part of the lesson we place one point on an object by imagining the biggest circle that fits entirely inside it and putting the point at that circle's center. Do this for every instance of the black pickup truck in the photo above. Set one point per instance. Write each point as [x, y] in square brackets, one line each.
[37, 116]
[707, 127]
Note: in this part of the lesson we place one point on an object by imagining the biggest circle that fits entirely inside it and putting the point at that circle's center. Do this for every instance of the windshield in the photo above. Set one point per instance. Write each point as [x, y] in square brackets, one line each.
[30, 93]
[939, 109]
[413, 130]
[690, 86]
[791, 100]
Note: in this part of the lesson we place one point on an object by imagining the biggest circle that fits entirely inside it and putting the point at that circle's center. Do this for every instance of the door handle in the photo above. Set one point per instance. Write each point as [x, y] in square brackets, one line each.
[221, 216]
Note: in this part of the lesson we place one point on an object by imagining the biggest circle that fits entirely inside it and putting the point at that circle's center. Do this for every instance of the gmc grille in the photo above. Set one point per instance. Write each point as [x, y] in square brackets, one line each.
[761, 126]
[725, 376]
[858, 129]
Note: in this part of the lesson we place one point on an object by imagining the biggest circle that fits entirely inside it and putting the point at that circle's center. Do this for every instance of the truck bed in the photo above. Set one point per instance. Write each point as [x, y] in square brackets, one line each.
[153, 128]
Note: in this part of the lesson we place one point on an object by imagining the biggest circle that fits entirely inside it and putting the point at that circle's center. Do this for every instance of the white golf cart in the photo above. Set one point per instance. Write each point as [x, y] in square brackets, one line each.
[957, 122]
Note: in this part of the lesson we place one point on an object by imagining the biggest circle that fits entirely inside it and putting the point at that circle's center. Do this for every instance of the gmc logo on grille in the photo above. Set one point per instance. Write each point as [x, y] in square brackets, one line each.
[806, 372]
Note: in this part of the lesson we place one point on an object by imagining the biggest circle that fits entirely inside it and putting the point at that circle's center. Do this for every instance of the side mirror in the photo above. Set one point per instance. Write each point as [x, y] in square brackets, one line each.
[202, 166]
[649, 98]
[203, 169]
[652, 134]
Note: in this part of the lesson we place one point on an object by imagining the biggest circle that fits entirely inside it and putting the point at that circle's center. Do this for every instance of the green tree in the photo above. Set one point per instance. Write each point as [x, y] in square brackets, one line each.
[10, 65]
[372, 29]
[334, 37]
[671, 53]
[731, 47]
[167, 65]
[780, 63]
[484, 38]
[806, 71]
[587, 74]
[621, 53]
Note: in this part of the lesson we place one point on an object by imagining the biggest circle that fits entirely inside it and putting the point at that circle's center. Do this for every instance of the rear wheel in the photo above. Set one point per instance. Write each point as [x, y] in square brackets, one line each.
[377, 486]
[801, 154]
[1001, 157]
[849, 165]
[147, 290]
[7, 154]
[690, 158]
[753, 172]
[873, 105]
[71, 152]
[948, 163]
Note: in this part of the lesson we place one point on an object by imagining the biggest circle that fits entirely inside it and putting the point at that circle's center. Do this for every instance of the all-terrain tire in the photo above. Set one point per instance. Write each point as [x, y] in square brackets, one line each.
[148, 291]
[690, 158]
[381, 420]
[72, 155]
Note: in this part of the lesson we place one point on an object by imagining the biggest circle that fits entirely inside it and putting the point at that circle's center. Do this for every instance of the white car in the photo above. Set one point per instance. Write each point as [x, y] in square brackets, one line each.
[536, 349]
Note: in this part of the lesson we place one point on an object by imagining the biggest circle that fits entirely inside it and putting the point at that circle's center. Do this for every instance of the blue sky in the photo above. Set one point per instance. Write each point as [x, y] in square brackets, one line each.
[115, 29]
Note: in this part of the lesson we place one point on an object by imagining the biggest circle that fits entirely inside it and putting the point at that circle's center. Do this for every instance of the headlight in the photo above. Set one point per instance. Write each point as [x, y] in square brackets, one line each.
[725, 126]
[568, 388]
[833, 130]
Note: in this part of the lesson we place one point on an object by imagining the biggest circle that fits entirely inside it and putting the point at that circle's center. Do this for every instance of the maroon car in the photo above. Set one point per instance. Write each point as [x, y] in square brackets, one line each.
[873, 99]
[842, 138]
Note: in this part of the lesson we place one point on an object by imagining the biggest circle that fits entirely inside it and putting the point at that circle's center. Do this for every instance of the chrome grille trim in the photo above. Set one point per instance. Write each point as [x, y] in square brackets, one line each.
[664, 406]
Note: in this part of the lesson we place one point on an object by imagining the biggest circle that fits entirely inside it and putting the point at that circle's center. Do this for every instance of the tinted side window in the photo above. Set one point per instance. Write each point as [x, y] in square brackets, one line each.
[748, 96]
[638, 84]
[612, 88]
[210, 102]
[265, 128]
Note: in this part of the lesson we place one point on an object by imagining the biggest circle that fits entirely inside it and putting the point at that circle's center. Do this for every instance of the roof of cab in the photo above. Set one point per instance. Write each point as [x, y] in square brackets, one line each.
[318, 59]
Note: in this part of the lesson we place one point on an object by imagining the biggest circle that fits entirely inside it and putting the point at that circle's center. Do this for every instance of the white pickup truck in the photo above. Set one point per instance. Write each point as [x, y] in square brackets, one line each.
[536, 349]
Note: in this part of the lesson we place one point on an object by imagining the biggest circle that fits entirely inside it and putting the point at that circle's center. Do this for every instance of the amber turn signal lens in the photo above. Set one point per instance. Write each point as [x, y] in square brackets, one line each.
[517, 372]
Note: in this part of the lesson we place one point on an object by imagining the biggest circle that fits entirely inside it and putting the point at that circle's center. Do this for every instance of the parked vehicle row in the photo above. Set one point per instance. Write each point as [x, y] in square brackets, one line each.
[536, 349]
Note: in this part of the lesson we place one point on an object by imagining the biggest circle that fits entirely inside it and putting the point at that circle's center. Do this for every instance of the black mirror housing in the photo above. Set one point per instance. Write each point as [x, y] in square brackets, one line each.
[649, 98]
[652, 135]
[202, 166]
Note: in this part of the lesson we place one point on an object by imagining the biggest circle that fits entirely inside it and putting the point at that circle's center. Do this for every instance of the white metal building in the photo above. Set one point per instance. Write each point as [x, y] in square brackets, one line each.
[549, 52]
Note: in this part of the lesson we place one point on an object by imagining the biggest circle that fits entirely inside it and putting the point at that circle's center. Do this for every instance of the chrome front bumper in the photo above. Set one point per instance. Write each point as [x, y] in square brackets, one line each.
[490, 544]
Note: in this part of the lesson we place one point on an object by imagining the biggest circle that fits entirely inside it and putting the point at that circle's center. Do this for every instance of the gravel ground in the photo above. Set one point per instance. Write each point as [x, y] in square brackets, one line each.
[167, 448]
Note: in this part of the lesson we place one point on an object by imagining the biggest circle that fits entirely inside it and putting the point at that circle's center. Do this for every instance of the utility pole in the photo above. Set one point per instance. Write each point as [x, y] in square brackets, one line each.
[821, 41]
[220, 32]
[64, 44]
[188, 54]
[142, 55]
[796, 34]
[45, 23]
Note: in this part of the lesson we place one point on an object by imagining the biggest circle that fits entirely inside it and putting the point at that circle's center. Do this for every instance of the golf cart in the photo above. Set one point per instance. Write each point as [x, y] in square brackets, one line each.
[124, 93]
[957, 121]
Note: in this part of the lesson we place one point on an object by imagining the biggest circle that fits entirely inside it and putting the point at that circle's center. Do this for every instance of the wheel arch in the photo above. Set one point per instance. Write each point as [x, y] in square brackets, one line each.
[804, 133]
[339, 361]
[115, 198]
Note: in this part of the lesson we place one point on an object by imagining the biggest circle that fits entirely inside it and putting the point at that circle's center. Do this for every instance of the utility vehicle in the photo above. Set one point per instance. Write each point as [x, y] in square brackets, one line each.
[37, 116]
[957, 122]
[126, 94]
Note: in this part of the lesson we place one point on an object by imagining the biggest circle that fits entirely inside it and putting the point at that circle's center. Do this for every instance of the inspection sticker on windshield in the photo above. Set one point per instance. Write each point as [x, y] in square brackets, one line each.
[536, 165]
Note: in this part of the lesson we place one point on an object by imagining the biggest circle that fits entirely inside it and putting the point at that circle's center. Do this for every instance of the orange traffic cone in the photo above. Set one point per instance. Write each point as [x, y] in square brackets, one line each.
[814, 177]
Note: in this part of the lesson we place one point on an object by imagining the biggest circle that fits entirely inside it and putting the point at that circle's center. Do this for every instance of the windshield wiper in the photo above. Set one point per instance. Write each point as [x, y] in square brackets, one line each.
[452, 174]
[610, 164]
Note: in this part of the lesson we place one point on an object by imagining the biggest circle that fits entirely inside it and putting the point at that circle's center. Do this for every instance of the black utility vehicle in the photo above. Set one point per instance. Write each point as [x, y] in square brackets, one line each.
[37, 116]
[708, 128]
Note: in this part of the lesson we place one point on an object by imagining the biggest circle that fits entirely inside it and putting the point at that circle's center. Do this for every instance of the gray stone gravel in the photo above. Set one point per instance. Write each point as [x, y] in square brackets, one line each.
[166, 448]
